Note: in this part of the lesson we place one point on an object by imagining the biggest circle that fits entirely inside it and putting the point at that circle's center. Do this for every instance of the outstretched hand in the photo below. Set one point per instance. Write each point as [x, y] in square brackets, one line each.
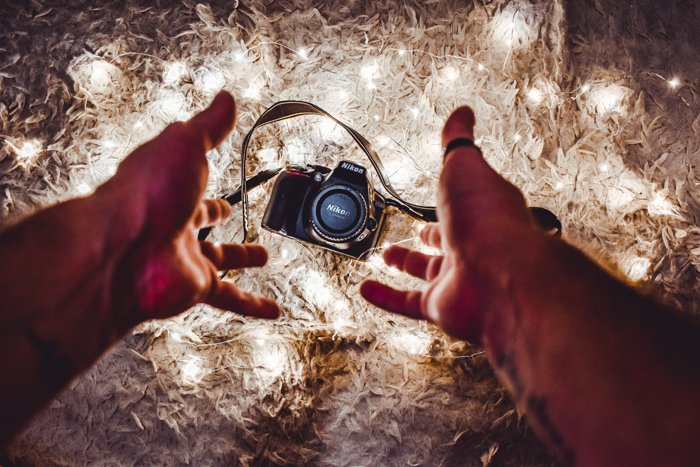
[482, 217]
[160, 187]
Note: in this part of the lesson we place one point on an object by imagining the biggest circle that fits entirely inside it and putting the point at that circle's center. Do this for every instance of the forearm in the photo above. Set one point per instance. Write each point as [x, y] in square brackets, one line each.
[606, 376]
[55, 308]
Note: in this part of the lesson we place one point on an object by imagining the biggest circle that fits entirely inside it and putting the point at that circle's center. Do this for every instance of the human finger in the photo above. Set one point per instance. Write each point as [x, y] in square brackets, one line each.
[228, 297]
[431, 235]
[406, 303]
[234, 255]
[213, 124]
[413, 262]
[210, 212]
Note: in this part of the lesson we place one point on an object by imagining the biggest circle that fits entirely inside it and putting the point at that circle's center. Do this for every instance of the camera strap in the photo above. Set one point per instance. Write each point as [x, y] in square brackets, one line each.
[284, 110]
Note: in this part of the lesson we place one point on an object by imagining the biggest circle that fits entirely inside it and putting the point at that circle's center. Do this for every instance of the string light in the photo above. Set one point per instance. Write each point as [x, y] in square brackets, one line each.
[517, 137]
[661, 206]
[510, 28]
[302, 53]
[268, 157]
[83, 188]
[295, 151]
[674, 82]
[635, 267]
[535, 96]
[253, 91]
[270, 356]
[28, 151]
[607, 99]
[239, 56]
[102, 76]
[604, 167]
[414, 342]
[559, 185]
[585, 88]
[211, 81]
[383, 140]
[174, 72]
[451, 73]
[192, 370]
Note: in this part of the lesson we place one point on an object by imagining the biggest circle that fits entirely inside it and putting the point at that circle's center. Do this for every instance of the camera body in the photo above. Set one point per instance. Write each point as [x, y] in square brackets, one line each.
[335, 209]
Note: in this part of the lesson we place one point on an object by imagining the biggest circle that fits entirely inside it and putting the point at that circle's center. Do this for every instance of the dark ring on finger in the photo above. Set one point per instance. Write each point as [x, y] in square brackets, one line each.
[458, 143]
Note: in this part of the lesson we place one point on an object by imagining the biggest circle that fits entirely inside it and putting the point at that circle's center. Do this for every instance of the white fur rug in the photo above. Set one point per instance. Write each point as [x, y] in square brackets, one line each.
[590, 107]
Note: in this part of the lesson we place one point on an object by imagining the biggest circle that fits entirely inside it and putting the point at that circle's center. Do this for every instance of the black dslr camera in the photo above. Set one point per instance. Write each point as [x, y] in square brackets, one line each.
[337, 210]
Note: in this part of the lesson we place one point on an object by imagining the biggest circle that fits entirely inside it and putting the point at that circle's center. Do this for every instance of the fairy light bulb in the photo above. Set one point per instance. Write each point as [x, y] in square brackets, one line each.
[585, 88]
[607, 98]
[535, 96]
[674, 82]
[253, 91]
[268, 157]
[28, 150]
[451, 73]
[480, 67]
[192, 370]
[174, 72]
[414, 112]
[661, 206]
[302, 53]
[102, 75]
[383, 140]
[559, 185]
[369, 72]
[239, 56]
[402, 52]
[604, 167]
[212, 81]
[83, 189]
[635, 267]
[414, 342]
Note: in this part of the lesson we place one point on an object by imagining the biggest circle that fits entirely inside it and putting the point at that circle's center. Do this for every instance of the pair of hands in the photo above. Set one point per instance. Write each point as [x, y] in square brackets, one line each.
[161, 269]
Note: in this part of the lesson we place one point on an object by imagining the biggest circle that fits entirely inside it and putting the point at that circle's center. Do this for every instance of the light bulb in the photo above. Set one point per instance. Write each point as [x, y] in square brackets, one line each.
[674, 82]
[535, 96]
[83, 188]
[604, 167]
[174, 72]
[192, 370]
[414, 111]
[368, 71]
[28, 150]
[302, 53]
[451, 73]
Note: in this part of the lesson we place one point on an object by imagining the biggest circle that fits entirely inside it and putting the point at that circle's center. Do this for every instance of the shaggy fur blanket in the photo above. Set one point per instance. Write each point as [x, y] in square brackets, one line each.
[590, 107]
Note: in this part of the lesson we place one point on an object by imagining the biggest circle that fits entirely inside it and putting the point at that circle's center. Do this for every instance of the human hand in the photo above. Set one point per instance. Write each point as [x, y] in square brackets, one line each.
[129, 252]
[165, 269]
[482, 218]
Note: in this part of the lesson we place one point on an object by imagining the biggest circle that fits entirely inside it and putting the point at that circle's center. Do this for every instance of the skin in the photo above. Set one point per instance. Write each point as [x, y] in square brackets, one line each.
[77, 276]
[606, 376]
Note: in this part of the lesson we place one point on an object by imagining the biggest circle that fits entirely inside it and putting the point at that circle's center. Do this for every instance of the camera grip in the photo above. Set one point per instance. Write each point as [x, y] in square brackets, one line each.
[285, 201]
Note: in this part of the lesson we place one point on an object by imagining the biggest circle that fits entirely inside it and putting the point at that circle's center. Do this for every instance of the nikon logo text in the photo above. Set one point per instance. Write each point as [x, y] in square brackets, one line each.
[338, 210]
[352, 168]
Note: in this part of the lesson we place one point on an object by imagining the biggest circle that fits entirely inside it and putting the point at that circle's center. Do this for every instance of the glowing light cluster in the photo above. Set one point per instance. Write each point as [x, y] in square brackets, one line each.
[510, 29]
[660, 205]
[174, 72]
[192, 370]
[412, 341]
[210, 81]
[606, 99]
[270, 356]
[635, 267]
[27, 151]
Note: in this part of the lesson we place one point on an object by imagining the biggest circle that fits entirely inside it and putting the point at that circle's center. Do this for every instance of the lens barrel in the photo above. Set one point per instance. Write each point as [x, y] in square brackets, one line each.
[338, 213]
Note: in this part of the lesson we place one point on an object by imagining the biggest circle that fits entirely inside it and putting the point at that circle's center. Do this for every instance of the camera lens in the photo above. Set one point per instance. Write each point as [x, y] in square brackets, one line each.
[338, 213]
